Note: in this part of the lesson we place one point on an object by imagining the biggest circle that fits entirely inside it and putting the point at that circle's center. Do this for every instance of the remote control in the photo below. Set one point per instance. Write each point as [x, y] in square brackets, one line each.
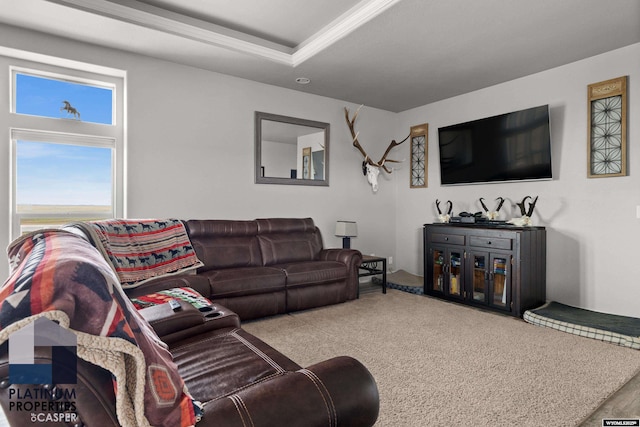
[174, 304]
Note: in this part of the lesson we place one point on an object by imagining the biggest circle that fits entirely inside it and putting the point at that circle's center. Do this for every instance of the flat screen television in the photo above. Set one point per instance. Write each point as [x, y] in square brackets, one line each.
[509, 147]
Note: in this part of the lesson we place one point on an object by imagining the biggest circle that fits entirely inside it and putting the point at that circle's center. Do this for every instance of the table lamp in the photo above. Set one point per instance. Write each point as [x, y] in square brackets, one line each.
[346, 230]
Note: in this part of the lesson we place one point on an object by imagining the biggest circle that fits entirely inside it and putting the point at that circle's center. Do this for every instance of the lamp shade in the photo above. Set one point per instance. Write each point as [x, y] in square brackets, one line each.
[346, 229]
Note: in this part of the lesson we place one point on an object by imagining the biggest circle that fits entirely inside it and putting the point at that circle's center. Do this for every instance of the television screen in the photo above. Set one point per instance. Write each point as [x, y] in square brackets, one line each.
[510, 147]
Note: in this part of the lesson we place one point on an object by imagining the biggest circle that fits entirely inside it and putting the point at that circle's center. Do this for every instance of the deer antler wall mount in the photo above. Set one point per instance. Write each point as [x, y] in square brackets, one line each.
[371, 168]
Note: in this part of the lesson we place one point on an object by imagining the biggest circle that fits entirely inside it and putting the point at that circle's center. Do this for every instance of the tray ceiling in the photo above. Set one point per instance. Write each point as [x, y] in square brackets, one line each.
[388, 54]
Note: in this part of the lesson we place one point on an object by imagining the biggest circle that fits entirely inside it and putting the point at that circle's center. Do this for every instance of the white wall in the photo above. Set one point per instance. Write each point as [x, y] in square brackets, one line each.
[592, 229]
[191, 147]
[191, 156]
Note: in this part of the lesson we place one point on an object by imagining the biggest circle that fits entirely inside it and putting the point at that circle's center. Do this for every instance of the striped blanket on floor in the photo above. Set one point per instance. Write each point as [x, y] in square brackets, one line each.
[615, 329]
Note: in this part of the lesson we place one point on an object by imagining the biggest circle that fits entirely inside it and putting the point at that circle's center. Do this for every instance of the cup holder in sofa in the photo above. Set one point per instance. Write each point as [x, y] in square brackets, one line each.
[210, 312]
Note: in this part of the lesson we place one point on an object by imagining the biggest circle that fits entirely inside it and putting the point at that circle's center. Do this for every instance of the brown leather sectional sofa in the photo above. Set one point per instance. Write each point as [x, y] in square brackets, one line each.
[265, 267]
[222, 364]
[259, 268]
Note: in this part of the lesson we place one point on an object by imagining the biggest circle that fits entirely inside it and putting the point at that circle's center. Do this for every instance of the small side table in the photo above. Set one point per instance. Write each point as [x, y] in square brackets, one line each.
[371, 267]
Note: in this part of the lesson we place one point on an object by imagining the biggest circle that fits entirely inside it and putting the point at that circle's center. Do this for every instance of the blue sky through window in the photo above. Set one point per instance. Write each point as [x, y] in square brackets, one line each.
[39, 96]
[55, 174]
[61, 174]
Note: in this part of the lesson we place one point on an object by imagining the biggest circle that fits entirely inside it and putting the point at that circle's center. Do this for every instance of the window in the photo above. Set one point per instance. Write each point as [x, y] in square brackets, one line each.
[61, 178]
[48, 97]
[66, 148]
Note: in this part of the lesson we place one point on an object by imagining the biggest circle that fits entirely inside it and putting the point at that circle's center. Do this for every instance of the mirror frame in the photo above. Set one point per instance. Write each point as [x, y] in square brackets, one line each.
[259, 179]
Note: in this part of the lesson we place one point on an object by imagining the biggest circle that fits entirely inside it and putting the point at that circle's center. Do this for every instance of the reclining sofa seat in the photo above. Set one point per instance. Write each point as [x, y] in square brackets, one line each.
[265, 267]
[240, 380]
[254, 384]
[233, 273]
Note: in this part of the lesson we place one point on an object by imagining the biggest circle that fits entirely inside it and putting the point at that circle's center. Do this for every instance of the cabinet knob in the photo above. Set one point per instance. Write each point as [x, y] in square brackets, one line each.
[489, 242]
[446, 238]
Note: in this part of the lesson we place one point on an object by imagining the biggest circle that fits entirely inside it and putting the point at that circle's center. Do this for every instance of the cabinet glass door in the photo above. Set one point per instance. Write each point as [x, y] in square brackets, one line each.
[448, 271]
[499, 282]
[479, 278]
[455, 273]
[438, 270]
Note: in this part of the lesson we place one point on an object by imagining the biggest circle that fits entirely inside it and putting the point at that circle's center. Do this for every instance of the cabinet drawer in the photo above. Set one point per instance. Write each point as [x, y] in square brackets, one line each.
[490, 242]
[452, 239]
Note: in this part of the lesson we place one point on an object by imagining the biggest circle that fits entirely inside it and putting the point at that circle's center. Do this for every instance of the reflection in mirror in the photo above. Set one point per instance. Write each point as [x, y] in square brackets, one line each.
[291, 150]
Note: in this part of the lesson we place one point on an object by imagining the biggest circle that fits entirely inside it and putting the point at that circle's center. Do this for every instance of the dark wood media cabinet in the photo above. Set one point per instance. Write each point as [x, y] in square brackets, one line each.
[493, 266]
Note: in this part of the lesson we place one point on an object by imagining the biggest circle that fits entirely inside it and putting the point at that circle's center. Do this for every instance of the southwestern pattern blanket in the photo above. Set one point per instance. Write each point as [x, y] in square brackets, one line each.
[59, 275]
[141, 249]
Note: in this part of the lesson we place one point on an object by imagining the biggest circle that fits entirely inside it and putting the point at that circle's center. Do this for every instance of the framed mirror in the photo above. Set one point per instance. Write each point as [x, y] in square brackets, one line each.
[292, 151]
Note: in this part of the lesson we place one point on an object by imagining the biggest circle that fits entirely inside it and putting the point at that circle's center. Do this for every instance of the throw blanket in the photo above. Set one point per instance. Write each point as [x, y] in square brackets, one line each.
[140, 250]
[59, 275]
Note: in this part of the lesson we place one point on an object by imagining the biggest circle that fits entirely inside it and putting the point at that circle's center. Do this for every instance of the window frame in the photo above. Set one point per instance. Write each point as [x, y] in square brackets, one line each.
[33, 128]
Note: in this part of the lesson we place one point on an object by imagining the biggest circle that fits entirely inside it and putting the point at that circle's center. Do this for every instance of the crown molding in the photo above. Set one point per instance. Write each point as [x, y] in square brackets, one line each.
[165, 21]
[342, 26]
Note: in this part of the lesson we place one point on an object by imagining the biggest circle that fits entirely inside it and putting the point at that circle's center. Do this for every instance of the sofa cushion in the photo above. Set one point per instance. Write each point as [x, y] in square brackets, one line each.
[313, 273]
[285, 225]
[289, 247]
[225, 244]
[288, 240]
[234, 282]
[235, 358]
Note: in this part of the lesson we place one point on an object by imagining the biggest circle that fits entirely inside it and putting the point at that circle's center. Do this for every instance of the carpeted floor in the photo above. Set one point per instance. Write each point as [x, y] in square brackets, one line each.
[443, 364]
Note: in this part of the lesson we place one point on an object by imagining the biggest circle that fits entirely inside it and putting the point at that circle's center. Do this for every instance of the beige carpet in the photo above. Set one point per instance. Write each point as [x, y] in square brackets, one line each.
[443, 364]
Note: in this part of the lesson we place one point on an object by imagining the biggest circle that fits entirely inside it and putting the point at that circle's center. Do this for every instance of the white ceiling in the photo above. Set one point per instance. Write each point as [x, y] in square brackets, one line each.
[388, 54]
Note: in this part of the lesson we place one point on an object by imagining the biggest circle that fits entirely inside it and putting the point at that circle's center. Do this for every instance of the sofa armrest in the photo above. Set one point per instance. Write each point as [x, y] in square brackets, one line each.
[346, 256]
[352, 258]
[188, 321]
[336, 392]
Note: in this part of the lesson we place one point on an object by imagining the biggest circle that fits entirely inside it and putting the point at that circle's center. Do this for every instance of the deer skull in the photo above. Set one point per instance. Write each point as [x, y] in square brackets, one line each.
[525, 219]
[444, 217]
[372, 176]
[491, 215]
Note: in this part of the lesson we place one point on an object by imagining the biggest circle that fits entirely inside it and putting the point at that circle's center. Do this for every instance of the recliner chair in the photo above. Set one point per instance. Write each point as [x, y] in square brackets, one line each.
[240, 380]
